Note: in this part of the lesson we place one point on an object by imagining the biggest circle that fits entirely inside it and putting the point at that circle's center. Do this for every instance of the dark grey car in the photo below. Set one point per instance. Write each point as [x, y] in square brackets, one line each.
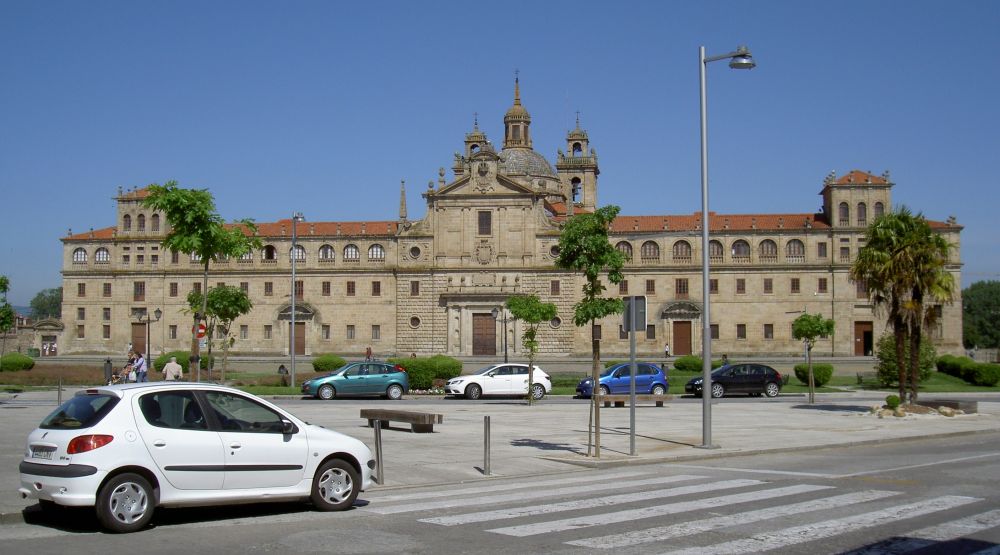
[753, 379]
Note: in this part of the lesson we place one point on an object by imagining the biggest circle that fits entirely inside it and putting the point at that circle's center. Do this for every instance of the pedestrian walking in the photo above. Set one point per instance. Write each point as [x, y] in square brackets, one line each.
[666, 350]
[172, 371]
[368, 354]
[141, 370]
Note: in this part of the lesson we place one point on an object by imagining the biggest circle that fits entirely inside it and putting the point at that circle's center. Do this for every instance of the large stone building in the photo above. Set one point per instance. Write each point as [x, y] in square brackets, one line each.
[430, 285]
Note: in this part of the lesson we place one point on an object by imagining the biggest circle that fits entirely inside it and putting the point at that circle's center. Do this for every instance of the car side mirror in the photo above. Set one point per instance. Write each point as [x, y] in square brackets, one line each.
[288, 427]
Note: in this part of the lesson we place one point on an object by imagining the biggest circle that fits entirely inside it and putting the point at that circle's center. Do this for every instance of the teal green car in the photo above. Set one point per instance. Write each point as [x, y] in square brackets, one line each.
[360, 378]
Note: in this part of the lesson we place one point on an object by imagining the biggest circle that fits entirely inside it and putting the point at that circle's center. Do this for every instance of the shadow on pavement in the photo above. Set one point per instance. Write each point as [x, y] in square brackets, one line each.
[545, 445]
[835, 408]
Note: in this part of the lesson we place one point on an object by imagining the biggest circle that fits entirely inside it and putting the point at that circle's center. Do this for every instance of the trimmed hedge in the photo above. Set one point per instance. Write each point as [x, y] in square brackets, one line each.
[885, 354]
[327, 363]
[424, 370]
[975, 373]
[182, 359]
[822, 372]
[12, 362]
[692, 363]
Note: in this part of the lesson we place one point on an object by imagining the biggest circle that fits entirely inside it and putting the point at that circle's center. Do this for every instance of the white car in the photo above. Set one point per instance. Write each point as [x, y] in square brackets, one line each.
[127, 449]
[500, 379]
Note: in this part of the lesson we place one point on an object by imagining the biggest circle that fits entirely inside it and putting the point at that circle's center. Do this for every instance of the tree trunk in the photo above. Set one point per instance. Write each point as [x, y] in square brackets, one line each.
[915, 340]
[531, 375]
[595, 376]
[899, 334]
[225, 355]
[812, 381]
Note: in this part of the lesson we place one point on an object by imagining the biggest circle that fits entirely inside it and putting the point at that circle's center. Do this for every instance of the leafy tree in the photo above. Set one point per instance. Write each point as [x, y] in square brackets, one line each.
[223, 305]
[809, 328]
[196, 228]
[584, 247]
[532, 311]
[47, 304]
[981, 315]
[6, 314]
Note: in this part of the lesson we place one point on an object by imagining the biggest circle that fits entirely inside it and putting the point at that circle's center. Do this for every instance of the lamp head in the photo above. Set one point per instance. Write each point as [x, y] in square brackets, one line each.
[495, 312]
[298, 217]
[743, 59]
[158, 313]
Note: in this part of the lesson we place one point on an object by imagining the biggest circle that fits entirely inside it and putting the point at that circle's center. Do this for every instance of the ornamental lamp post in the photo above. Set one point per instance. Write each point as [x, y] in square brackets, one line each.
[496, 314]
[740, 59]
[296, 218]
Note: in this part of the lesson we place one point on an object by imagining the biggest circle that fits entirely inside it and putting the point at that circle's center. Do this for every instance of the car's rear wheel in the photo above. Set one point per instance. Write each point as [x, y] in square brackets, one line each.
[335, 486]
[326, 392]
[718, 390]
[473, 391]
[658, 390]
[125, 503]
[537, 391]
[605, 390]
[394, 392]
[772, 389]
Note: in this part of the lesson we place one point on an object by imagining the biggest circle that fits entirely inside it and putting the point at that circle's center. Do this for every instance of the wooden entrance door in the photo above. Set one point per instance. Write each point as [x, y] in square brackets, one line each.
[300, 337]
[139, 338]
[484, 335]
[681, 342]
[864, 339]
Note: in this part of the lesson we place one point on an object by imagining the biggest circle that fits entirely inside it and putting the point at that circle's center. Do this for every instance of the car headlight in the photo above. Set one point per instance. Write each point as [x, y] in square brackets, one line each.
[697, 382]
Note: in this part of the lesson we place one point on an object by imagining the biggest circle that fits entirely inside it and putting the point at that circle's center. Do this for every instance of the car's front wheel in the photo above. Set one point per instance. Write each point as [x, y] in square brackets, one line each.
[772, 389]
[394, 392]
[125, 503]
[335, 486]
[537, 391]
[718, 390]
[326, 392]
[658, 389]
[473, 391]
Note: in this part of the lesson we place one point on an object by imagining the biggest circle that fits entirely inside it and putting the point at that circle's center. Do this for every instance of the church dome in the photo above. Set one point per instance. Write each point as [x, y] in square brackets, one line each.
[525, 161]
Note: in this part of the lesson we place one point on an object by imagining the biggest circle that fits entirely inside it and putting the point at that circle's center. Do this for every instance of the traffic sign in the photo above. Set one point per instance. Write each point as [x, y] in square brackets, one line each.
[201, 330]
[637, 304]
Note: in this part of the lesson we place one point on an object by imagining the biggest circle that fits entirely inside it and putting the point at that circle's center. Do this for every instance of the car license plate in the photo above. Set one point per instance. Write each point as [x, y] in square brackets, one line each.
[42, 453]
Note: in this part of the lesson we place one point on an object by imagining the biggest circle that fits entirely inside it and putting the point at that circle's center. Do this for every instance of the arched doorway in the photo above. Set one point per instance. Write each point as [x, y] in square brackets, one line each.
[679, 317]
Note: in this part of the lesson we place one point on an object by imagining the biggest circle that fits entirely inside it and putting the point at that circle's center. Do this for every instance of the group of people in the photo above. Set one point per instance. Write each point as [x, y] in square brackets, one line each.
[136, 370]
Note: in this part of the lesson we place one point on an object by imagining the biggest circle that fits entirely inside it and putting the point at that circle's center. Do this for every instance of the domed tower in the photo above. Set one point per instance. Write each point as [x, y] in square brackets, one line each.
[578, 169]
[475, 142]
[519, 160]
[516, 123]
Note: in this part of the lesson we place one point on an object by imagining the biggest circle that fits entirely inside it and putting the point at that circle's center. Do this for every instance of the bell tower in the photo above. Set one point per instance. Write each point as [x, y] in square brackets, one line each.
[516, 122]
[578, 169]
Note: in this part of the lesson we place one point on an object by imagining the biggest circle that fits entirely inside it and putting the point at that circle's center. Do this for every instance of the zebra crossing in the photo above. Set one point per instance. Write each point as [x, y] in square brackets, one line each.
[649, 512]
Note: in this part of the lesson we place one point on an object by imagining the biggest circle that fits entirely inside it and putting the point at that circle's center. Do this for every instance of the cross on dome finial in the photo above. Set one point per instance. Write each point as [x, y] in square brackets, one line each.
[475, 120]
[578, 119]
[517, 87]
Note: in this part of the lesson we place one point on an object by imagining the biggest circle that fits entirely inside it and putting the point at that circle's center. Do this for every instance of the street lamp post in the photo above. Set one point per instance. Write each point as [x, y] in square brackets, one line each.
[144, 318]
[496, 313]
[740, 59]
[296, 218]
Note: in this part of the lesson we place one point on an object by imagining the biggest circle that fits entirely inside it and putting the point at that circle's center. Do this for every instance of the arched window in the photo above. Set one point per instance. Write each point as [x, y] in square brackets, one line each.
[299, 253]
[862, 214]
[195, 257]
[376, 252]
[845, 214]
[575, 184]
[351, 253]
[326, 252]
[126, 223]
[269, 253]
[577, 149]
[625, 248]
[715, 249]
[247, 256]
[140, 222]
[879, 209]
[741, 249]
[768, 249]
[154, 223]
[650, 251]
[682, 250]
[80, 256]
[102, 256]
[795, 249]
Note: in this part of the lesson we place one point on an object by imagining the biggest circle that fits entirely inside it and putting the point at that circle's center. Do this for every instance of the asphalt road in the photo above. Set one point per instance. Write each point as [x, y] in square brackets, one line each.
[920, 496]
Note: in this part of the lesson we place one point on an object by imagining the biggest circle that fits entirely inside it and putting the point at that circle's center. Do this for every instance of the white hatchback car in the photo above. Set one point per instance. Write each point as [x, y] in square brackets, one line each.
[126, 449]
[500, 379]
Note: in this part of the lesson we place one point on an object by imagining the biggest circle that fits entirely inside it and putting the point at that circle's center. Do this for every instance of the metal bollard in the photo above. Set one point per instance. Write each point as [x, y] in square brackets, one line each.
[379, 476]
[486, 446]
[59, 393]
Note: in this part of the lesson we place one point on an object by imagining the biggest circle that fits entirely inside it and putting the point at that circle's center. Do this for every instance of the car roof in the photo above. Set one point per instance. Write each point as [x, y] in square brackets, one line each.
[131, 388]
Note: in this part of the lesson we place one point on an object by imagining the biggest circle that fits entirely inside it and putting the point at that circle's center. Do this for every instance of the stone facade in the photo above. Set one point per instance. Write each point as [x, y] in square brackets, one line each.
[428, 286]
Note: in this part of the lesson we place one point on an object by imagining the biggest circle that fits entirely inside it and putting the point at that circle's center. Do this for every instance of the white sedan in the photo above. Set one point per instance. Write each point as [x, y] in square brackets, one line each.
[127, 449]
[500, 379]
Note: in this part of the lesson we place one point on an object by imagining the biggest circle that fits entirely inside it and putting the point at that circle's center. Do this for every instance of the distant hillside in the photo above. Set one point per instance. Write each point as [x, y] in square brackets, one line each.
[22, 310]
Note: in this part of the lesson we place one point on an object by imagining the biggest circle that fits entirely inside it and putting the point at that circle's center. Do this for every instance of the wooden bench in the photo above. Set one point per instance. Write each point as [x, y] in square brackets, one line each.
[620, 400]
[420, 422]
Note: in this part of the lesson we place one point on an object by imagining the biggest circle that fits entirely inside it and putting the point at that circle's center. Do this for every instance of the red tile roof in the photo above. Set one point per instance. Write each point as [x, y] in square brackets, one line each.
[855, 177]
[306, 229]
[718, 222]
[137, 194]
[103, 233]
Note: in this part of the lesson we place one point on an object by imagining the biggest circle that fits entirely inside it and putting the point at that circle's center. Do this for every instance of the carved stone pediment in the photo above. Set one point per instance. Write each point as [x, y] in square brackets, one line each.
[303, 312]
[681, 310]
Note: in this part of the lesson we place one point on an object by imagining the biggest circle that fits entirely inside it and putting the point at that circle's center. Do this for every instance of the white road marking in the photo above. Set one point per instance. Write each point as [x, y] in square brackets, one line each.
[700, 526]
[924, 537]
[522, 496]
[609, 500]
[828, 528]
[908, 467]
[649, 512]
[758, 471]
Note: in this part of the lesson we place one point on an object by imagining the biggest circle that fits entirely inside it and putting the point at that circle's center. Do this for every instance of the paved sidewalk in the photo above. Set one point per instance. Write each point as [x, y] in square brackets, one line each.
[551, 437]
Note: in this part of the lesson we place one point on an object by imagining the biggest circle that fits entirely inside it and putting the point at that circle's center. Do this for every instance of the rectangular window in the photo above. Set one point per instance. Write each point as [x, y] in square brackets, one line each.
[597, 331]
[245, 287]
[268, 331]
[768, 286]
[326, 288]
[154, 259]
[350, 289]
[714, 330]
[220, 332]
[350, 331]
[650, 286]
[623, 287]
[126, 259]
[300, 289]
[196, 287]
[376, 288]
[80, 333]
[768, 331]
[81, 289]
[713, 286]
[106, 332]
[741, 286]
[650, 331]
[140, 258]
[821, 285]
[376, 332]
[220, 284]
[138, 290]
[681, 287]
[414, 288]
[268, 288]
[106, 292]
[174, 257]
[326, 331]
[106, 314]
[795, 285]
[485, 223]
[821, 249]
[622, 334]
[173, 289]
[172, 332]
[741, 331]
[862, 289]
[845, 254]
[554, 288]
[244, 331]
[81, 314]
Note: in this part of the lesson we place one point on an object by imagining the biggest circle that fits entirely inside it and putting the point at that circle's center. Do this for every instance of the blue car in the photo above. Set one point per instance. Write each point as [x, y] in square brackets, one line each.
[360, 378]
[649, 378]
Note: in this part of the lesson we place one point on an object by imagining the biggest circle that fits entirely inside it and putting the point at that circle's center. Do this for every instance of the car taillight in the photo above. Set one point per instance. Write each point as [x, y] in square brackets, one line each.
[400, 368]
[82, 444]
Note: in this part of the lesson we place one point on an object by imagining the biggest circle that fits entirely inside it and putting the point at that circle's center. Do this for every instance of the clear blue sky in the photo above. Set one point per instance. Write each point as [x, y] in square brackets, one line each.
[324, 107]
